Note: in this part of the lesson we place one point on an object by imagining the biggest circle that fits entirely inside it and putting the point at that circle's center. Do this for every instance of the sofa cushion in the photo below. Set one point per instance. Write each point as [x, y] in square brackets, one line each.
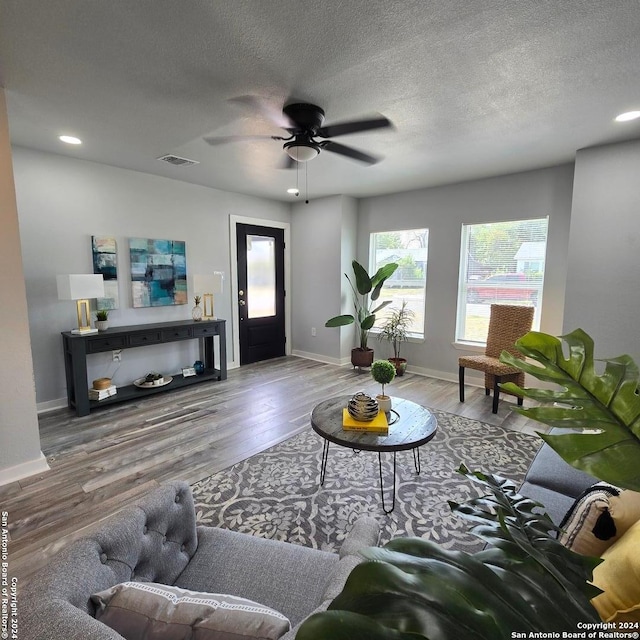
[619, 578]
[555, 504]
[550, 471]
[598, 518]
[149, 610]
[284, 576]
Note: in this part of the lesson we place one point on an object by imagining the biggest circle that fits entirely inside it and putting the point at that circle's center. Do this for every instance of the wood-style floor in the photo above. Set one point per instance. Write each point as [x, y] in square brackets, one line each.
[104, 461]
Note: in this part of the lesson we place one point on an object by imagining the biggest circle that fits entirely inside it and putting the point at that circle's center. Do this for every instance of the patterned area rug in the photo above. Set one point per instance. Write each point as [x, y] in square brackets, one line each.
[276, 494]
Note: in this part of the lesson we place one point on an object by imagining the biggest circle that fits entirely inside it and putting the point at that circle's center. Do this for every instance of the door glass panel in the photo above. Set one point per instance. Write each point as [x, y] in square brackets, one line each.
[261, 277]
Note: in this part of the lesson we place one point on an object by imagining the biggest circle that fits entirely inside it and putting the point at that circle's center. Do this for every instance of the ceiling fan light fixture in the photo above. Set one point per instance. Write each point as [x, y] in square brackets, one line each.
[302, 151]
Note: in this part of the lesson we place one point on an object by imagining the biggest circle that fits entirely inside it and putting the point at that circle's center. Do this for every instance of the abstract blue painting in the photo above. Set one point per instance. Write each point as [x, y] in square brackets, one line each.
[104, 252]
[158, 272]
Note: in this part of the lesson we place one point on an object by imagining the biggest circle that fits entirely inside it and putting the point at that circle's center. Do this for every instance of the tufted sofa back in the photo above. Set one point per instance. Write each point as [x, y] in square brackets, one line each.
[152, 541]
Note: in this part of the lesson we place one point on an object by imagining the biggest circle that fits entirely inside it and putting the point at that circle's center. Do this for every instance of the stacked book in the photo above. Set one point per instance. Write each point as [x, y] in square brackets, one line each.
[101, 394]
[379, 425]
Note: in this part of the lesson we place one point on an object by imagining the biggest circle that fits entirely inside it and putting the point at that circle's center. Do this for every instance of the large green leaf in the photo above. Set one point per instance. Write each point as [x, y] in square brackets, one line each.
[601, 410]
[367, 322]
[363, 281]
[384, 272]
[527, 581]
[340, 321]
[380, 277]
[345, 625]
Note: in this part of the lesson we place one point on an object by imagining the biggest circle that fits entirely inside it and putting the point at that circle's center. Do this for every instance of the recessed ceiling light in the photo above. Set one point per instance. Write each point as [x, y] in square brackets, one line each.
[70, 139]
[294, 191]
[629, 115]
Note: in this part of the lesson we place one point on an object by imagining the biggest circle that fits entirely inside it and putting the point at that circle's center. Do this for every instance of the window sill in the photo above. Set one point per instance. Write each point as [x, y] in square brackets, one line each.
[416, 339]
[469, 346]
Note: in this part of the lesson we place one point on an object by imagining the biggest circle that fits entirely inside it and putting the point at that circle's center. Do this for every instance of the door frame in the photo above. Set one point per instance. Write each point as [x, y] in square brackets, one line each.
[233, 246]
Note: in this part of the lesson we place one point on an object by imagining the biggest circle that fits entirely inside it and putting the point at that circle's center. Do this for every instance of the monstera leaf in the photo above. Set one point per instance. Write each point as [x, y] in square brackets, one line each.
[601, 412]
[413, 589]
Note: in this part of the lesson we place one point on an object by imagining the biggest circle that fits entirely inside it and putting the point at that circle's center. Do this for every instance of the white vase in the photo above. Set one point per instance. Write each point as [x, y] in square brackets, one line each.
[102, 325]
[384, 403]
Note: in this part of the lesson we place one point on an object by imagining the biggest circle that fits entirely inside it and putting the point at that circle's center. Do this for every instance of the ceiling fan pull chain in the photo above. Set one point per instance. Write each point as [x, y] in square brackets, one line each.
[306, 182]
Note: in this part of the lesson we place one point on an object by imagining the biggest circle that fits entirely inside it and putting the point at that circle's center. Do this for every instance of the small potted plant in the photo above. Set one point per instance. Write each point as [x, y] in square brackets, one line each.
[383, 372]
[102, 319]
[395, 330]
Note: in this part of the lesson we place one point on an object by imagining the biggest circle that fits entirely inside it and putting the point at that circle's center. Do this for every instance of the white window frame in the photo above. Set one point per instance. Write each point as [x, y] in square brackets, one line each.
[413, 336]
[462, 298]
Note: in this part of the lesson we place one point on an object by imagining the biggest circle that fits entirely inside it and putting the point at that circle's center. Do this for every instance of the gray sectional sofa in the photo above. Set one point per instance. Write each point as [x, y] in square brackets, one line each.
[157, 541]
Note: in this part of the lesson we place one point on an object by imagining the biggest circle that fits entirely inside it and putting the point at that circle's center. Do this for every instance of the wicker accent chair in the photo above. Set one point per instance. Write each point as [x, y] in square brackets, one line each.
[507, 323]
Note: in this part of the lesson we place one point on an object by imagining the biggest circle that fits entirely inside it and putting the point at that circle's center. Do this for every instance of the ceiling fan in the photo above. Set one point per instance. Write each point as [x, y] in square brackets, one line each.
[304, 123]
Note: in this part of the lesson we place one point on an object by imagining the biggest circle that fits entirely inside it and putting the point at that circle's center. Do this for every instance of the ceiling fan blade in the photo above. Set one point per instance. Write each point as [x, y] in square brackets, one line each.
[267, 109]
[343, 128]
[349, 152]
[215, 140]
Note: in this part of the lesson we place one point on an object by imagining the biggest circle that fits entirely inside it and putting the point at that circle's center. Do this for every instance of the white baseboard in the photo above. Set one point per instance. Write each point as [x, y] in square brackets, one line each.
[23, 470]
[340, 362]
[50, 405]
[471, 380]
[474, 381]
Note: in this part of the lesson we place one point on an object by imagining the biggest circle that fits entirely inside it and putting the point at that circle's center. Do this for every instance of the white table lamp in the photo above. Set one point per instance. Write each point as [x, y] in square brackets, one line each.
[206, 286]
[81, 287]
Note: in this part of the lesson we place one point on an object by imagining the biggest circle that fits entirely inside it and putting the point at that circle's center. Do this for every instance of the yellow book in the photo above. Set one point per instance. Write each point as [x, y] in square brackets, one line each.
[378, 425]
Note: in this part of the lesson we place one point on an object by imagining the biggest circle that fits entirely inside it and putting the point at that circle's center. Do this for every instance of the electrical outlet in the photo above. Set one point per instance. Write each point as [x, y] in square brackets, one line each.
[117, 355]
[313, 332]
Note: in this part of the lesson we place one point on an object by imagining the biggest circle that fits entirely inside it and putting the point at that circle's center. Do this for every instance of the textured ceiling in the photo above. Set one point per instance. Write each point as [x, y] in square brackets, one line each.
[474, 88]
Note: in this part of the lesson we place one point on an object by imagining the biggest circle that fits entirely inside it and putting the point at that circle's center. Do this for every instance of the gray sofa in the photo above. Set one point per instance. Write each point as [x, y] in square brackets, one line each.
[554, 483]
[157, 540]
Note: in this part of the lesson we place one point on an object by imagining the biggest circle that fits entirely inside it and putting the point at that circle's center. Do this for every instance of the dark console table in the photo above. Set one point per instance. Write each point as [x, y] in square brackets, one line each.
[77, 347]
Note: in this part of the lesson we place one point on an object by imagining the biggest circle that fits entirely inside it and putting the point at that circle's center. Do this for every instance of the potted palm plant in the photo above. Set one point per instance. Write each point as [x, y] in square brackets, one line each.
[383, 372]
[366, 291]
[395, 330]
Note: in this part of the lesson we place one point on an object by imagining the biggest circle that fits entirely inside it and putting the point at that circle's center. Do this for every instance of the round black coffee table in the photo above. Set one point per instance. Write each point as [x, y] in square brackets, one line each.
[410, 426]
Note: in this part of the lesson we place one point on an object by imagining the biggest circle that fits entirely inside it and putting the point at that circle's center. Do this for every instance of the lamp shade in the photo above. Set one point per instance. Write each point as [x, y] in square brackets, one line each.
[209, 283]
[80, 286]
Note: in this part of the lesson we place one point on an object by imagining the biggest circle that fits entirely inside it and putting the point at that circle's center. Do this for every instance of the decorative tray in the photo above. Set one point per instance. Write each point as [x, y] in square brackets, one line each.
[141, 382]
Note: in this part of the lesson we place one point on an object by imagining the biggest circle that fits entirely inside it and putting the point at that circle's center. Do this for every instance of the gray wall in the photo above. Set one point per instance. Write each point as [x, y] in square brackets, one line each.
[62, 202]
[349, 236]
[322, 240]
[443, 210]
[604, 270]
[19, 438]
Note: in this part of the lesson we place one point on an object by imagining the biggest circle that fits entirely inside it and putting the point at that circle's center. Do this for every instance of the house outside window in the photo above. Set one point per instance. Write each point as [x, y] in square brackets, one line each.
[409, 249]
[500, 262]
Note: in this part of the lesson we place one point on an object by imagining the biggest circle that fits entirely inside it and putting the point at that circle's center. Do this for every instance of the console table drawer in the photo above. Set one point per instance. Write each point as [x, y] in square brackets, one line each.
[175, 334]
[106, 344]
[139, 339]
[201, 332]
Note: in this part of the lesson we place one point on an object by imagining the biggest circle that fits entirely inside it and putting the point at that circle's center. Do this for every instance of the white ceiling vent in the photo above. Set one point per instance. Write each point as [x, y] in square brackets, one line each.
[177, 161]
